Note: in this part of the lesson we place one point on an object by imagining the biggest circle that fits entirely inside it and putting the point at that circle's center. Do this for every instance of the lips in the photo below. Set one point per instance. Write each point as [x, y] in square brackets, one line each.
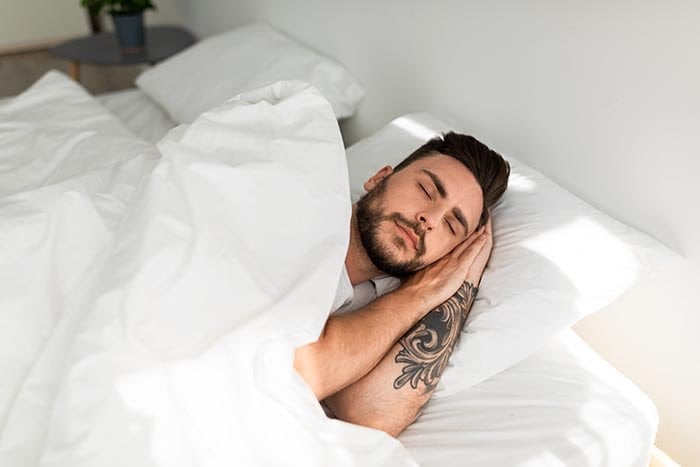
[409, 234]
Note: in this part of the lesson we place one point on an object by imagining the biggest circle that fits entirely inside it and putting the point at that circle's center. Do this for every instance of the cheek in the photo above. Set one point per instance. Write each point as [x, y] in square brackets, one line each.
[439, 245]
[406, 202]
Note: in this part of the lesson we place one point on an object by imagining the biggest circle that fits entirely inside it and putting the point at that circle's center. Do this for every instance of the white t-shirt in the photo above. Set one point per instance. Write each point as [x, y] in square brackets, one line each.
[349, 298]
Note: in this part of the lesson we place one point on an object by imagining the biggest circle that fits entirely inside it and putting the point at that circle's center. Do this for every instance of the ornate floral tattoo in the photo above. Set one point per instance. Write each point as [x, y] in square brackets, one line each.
[427, 347]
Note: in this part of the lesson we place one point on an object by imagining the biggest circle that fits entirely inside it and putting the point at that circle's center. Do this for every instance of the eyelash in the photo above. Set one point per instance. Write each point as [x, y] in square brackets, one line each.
[450, 226]
[425, 191]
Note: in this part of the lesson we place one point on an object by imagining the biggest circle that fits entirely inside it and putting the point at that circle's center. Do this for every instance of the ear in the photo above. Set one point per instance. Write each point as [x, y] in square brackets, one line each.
[378, 177]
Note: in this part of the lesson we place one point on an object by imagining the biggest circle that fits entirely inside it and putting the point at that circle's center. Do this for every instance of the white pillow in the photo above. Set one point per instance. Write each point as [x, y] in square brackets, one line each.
[555, 257]
[219, 67]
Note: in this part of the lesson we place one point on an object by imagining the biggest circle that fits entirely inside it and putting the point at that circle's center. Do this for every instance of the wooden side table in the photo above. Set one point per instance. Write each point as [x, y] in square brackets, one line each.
[103, 49]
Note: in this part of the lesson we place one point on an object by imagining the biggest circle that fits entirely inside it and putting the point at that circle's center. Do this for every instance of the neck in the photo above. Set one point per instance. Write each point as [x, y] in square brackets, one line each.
[357, 263]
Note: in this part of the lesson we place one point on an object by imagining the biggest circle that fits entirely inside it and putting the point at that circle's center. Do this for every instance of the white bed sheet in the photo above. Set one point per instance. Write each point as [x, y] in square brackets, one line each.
[138, 112]
[563, 406]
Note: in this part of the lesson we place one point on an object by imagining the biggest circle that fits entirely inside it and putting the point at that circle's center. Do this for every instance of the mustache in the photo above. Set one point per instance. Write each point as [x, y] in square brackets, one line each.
[413, 225]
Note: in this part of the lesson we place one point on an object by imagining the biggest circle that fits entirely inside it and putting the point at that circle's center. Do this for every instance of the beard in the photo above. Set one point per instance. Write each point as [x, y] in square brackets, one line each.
[370, 215]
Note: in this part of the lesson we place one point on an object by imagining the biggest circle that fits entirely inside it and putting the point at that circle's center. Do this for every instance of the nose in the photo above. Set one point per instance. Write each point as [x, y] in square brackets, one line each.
[427, 219]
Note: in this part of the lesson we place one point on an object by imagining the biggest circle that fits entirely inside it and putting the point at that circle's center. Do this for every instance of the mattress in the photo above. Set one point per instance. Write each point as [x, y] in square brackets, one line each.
[140, 114]
[563, 406]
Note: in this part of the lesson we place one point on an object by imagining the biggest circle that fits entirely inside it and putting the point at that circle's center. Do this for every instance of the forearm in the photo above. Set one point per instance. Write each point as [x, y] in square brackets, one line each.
[391, 396]
[352, 344]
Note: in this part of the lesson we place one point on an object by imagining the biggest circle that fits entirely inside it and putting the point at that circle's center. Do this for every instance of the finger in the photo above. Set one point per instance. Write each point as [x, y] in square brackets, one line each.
[470, 239]
[471, 252]
[474, 235]
[464, 244]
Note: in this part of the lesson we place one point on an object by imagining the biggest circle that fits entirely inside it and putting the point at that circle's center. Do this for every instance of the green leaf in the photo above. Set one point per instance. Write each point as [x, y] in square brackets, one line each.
[119, 6]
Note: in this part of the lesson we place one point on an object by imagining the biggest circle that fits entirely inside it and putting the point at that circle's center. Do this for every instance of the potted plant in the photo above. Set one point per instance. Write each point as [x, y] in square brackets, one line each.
[94, 17]
[128, 19]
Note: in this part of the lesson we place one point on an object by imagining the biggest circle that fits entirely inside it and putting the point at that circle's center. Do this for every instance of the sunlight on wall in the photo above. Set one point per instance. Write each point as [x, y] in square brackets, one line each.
[415, 128]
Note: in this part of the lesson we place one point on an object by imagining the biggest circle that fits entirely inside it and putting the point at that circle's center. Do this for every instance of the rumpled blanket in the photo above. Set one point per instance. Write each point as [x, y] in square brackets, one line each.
[151, 298]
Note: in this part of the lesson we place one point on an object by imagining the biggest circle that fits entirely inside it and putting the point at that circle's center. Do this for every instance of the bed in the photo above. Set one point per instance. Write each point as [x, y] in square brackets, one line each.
[559, 405]
[563, 406]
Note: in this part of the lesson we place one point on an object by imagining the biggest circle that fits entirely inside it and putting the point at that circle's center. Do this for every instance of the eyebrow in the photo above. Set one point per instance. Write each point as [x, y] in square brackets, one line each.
[443, 194]
[438, 183]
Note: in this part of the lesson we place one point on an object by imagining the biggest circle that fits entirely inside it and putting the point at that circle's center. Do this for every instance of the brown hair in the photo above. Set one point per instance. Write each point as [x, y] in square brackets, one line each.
[489, 168]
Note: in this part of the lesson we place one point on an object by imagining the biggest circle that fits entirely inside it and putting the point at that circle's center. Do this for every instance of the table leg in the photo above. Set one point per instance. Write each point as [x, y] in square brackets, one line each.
[75, 70]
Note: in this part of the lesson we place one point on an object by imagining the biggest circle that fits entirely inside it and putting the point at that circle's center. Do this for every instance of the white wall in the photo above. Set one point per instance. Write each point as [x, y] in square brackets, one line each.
[601, 96]
[26, 23]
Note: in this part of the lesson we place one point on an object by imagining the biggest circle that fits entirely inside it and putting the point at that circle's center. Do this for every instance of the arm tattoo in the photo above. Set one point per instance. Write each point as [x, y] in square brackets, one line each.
[427, 347]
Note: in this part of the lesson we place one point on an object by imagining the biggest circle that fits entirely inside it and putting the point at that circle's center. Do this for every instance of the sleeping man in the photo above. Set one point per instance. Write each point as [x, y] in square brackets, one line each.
[380, 356]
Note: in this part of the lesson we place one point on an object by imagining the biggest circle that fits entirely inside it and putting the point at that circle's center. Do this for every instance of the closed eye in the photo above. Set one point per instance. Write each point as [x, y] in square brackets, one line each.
[450, 226]
[425, 191]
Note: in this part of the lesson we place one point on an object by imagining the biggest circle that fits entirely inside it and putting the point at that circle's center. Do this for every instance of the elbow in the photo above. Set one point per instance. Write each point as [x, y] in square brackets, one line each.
[308, 364]
[390, 427]
[391, 421]
[391, 424]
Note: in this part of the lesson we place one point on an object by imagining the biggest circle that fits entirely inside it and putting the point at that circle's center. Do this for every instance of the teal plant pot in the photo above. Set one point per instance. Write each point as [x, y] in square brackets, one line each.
[129, 30]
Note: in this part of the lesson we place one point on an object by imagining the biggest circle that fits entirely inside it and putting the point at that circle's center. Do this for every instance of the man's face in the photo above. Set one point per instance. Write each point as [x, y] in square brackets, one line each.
[413, 217]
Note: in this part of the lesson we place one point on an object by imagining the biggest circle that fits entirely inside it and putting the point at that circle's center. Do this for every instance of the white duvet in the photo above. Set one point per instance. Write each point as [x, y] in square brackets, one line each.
[151, 298]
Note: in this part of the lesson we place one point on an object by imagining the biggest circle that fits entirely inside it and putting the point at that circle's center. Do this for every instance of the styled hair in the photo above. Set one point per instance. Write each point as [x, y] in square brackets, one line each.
[488, 167]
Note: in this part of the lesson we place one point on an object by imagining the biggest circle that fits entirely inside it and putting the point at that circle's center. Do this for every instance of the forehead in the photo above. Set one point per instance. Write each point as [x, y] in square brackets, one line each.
[450, 171]
[460, 184]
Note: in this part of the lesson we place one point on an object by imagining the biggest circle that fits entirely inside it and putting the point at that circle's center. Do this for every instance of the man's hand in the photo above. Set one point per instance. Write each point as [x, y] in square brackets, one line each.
[476, 269]
[439, 281]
